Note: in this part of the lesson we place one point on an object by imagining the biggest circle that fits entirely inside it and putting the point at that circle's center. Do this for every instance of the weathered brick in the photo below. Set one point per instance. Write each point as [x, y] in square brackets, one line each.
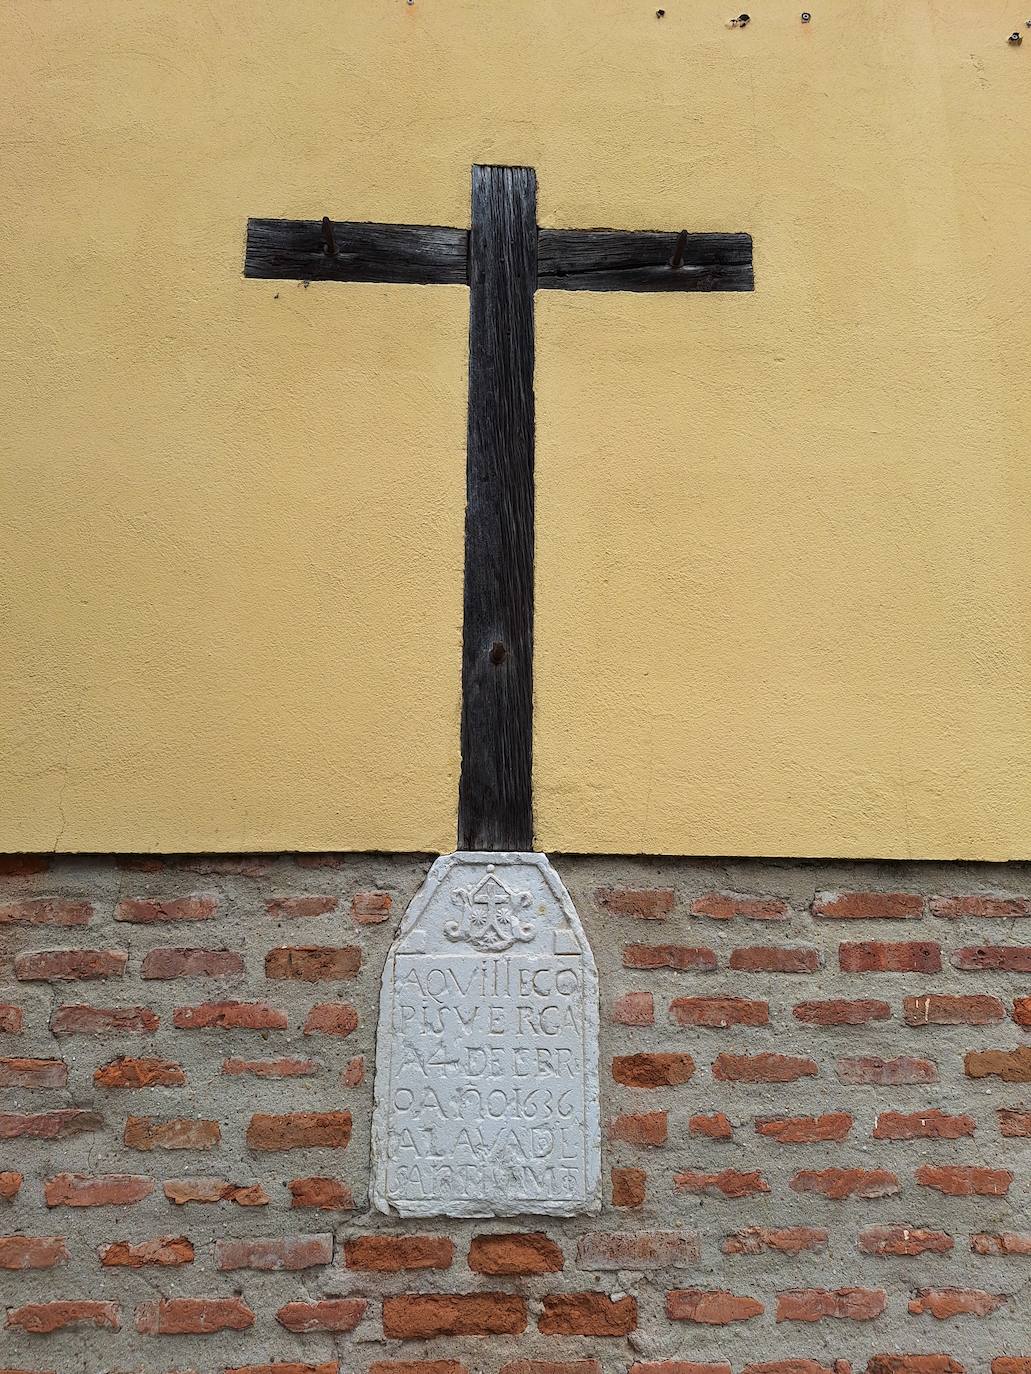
[940, 1009]
[33, 1073]
[903, 1241]
[193, 1316]
[1011, 1364]
[839, 1011]
[797, 1366]
[677, 1367]
[177, 1133]
[683, 958]
[993, 958]
[588, 1314]
[1014, 1121]
[637, 1250]
[642, 903]
[56, 1125]
[32, 1252]
[371, 908]
[139, 1073]
[323, 1194]
[1022, 1011]
[229, 1016]
[390, 1254]
[1012, 1066]
[1005, 1243]
[283, 1067]
[763, 1068]
[731, 906]
[152, 910]
[181, 962]
[843, 1183]
[417, 1367]
[551, 1367]
[805, 1130]
[783, 1240]
[331, 1018]
[633, 1009]
[842, 1304]
[12, 1019]
[306, 905]
[163, 1251]
[328, 1314]
[313, 963]
[981, 907]
[211, 1190]
[652, 1070]
[629, 1187]
[640, 1128]
[719, 1012]
[68, 965]
[299, 1131]
[270, 1254]
[730, 1183]
[82, 1020]
[871, 1070]
[881, 956]
[868, 906]
[46, 911]
[775, 959]
[945, 1303]
[100, 1190]
[715, 1126]
[714, 1307]
[286, 1367]
[423, 1316]
[10, 1182]
[353, 1075]
[41, 1318]
[514, 1253]
[913, 1364]
[931, 1124]
[965, 1180]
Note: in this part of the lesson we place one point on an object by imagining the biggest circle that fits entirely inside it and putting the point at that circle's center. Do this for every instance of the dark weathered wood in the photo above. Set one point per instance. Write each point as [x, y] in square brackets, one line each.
[494, 804]
[642, 260]
[297, 249]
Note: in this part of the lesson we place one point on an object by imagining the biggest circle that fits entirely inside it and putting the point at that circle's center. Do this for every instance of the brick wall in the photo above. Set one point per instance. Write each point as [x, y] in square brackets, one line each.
[816, 1097]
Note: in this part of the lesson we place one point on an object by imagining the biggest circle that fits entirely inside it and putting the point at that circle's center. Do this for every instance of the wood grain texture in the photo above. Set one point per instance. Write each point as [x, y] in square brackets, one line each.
[494, 806]
[641, 260]
[295, 249]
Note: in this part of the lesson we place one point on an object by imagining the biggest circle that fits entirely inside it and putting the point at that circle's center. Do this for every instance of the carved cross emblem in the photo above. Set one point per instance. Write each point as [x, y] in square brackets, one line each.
[489, 921]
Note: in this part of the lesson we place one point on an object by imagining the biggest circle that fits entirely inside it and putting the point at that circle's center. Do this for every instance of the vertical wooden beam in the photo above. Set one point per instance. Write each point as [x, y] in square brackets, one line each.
[494, 800]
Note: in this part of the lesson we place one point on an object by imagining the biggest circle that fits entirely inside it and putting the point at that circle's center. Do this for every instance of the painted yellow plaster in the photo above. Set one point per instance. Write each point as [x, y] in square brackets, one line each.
[783, 554]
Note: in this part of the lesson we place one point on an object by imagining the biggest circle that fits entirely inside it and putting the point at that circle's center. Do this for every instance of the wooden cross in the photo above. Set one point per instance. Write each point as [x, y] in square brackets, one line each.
[503, 258]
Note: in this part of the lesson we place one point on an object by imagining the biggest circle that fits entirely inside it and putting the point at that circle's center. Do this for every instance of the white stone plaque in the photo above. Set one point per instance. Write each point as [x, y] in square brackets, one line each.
[487, 1050]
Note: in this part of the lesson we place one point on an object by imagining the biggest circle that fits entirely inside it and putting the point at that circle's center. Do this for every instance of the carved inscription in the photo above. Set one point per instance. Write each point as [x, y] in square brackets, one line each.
[487, 1061]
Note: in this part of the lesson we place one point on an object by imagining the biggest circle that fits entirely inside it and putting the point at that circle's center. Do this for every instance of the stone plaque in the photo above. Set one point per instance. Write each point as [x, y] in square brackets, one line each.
[487, 1050]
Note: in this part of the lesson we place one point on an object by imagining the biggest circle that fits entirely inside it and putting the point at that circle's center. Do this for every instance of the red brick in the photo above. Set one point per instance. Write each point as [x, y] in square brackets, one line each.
[193, 1316]
[289, 1367]
[775, 959]
[805, 1130]
[843, 1304]
[871, 1070]
[81, 1020]
[939, 1009]
[926, 1125]
[329, 1314]
[181, 962]
[100, 1190]
[588, 1314]
[1006, 1243]
[423, 1316]
[1011, 1364]
[229, 1016]
[652, 1070]
[284, 1067]
[641, 1128]
[371, 908]
[842, 1183]
[730, 1183]
[965, 1180]
[299, 1131]
[331, 1018]
[313, 963]
[993, 958]
[881, 956]
[271, 1254]
[324, 1194]
[1022, 1011]
[842, 1012]
[67, 965]
[980, 907]
[390, 1254]
[797, 1366]
[417, 1367]
[12, 1019]
[10, 1182]
[784, 1240]
[716, 1126]
[634, 1009]
[763, 1068]
[56, 1125]
[33, 1073]
[41, 1318]
[514, 1253]
[867, 906]
[1014, 1121]
[637, 1250]
[913, 1364]
[353, 1075]
[210, 1190]
[292, 908]
[945, 1303]
[139, 1073]
[642, 903]
[731, 906]
[1012, 1066]
[32, 1252]
[164, 1251]
[148, 910]
[903, 1241]
[712, 1308]
[719, 1012]
[683, 958]
[178, 1133]
[23, 865]
[628, 1187]
[551, 1367]
[46, 911]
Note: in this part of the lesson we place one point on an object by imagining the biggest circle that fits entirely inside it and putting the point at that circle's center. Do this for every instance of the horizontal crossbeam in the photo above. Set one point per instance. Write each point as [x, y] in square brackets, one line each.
[567, 259]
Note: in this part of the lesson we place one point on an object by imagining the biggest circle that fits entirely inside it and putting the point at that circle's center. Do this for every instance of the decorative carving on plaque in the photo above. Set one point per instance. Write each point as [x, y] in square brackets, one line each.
[487, 1049]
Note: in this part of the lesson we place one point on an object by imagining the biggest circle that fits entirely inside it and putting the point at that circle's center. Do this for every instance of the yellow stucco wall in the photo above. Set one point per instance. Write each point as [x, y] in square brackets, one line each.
[783, 555]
